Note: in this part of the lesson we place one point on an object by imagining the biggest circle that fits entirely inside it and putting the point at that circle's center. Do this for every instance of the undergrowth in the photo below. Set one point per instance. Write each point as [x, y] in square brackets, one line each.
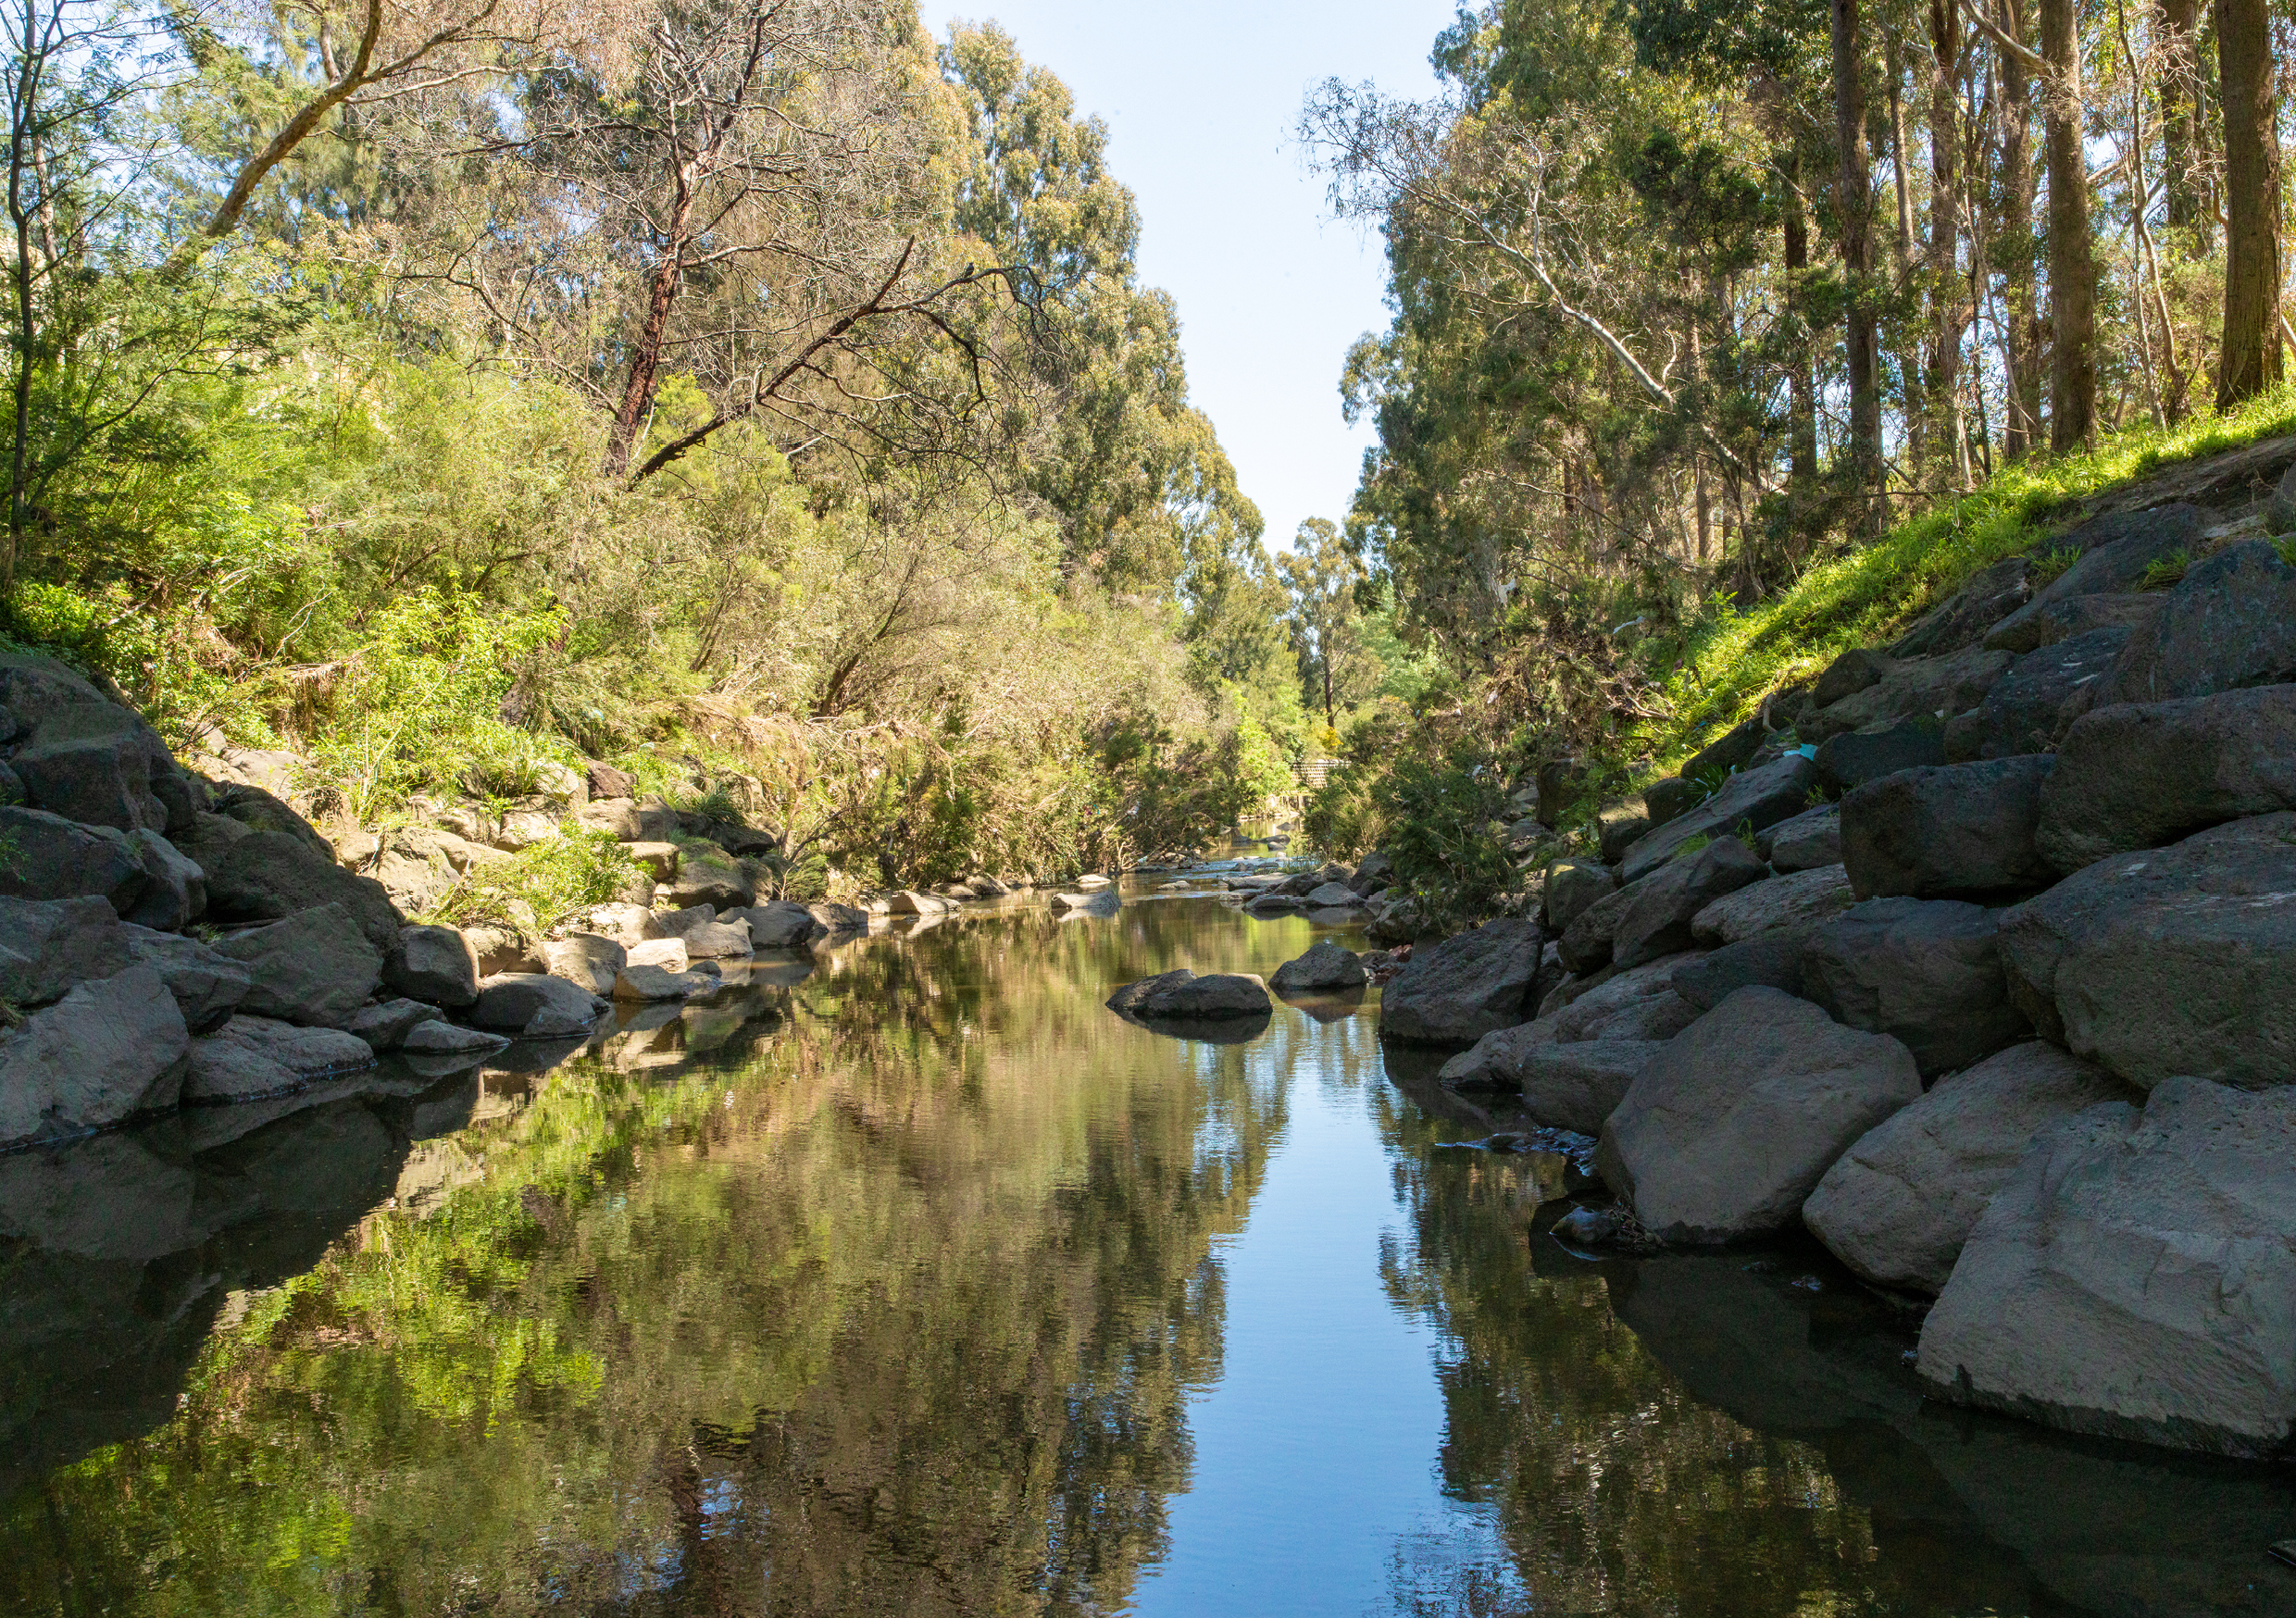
[1870, 595]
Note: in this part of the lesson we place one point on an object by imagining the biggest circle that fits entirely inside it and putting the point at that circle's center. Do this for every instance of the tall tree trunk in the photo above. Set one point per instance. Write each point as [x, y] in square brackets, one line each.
[1801, 378]
[2249, 359]
[2180, 118]
[645, 365]
[2072, 260]
[1854, 206]
[1945, 320]
[1909, 367]
[2020, 429]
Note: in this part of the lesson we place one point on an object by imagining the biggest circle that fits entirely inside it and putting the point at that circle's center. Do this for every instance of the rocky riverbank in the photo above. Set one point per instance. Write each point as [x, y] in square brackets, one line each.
[178, 933]
[1976, 957]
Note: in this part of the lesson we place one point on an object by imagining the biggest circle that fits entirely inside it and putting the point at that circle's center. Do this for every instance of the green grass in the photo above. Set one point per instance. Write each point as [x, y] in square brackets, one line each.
[1871, 595]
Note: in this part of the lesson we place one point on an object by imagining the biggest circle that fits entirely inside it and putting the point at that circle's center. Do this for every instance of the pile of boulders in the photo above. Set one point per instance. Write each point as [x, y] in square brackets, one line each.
[1331, 895]
[167, 938]
[1976, 959]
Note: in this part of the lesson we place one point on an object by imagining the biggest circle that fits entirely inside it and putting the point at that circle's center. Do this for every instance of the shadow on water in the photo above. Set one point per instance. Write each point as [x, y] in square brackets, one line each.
[901, 1281]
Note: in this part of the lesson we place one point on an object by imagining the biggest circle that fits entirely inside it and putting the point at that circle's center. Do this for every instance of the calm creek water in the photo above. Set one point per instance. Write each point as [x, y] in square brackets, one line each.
[919, 1283]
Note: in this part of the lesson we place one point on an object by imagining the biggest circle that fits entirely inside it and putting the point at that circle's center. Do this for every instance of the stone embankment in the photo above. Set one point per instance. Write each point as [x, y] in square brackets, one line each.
[1976, 958]
[173, 935]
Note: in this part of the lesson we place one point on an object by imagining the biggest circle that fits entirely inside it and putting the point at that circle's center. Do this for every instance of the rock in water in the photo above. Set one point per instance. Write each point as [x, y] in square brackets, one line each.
[108, 1050]
[261, 1056]
[781, 926]
[1899, 1204]
[1729, 1130]
[534, 1006]
[1325, 967]
[2141, 775]
[1214, 996]
[2171, 961]
[1574, 1087]
[1926, 971]
[586, 959]
[2135, 1277]
[1454, 992]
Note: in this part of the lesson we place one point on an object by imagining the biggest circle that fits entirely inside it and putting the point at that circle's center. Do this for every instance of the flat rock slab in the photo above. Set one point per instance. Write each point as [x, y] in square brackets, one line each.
[1767, 960]
[1857, 756]
[1801, 901]
[47, 945]
[1962, 619]
[1803, 841]
[1728, 1129]
[534, 1005]
[1901, 1202]
[208, 986]
[1326, 967]
[2169, 961]
[1926, 972]
[56, 858]
[1915, 688]
[2134, 1277]
[1752, 799]
[445, 1038]
[1455, 992]
[2141, 775]
[1574, 1087]
[640, 981]
[253, 1056]
[1964, 830]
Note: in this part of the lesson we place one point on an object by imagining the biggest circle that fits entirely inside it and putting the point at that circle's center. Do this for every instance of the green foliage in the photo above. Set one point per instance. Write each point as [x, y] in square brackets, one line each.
[2052, 564]
[541, 884]
[1439, 812]
[2163, 572]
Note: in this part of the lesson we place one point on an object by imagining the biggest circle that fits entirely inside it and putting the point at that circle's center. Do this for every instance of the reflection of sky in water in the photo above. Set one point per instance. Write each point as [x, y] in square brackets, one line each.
[1315, 1467]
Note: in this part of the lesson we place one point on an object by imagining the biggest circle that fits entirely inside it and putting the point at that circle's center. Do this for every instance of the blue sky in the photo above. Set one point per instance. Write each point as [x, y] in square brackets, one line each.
[1202, 101]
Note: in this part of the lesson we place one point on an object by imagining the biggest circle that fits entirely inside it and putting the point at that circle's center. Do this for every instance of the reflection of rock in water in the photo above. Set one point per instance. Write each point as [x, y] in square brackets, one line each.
[1326, 1005]
[116, 1252]
[1983, 1505]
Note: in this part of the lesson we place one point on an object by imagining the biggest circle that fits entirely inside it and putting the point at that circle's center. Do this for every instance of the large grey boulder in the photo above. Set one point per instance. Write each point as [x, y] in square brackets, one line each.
[108, 1050]
[268, 876]
[384, 1025]
[433, 963]
[47, 945]
[783, 925]
[439, 1037]
[586, 959]
[1898, 1205]
[1926, 971]
[1455, 992]
[1934, 688]
[2135, 1277]
[1733, 750]
[2031, 708]
[533, 1005]
[315, 967]
[2140, 775]
[2114, 553]
[1572, 887]
[1635, 1002]
[175, 889]
[1328, 968]
[51, 857]
[252, 1057]
[1850, 674]
[707, 874]
[2230, 622]
[2074, 616]
[1214, 996]
[1573, 1085]
[640, 981]
[1753, 799]
[1656, 918]
[93, 763]
[1962, 620]
[1584, 945]
[208, 985]
[1855, 757]
[1962, 830]
[1798, 902]
[1803, 842]
[1768, 960]
[717, 941]
[2170, 962]
[1731, 1127]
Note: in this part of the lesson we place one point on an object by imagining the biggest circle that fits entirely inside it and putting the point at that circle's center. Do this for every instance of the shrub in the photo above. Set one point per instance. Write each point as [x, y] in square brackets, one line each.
[541, 884]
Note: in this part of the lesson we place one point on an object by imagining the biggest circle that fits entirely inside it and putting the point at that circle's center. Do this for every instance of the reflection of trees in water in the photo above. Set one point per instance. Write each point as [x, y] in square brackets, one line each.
[896, 1315]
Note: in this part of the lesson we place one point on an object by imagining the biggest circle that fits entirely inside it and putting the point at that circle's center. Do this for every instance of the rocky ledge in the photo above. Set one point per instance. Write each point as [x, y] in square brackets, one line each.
[1976, 959]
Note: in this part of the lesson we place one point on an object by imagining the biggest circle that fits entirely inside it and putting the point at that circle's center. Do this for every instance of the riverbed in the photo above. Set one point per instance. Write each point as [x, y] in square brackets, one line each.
[908, 1279]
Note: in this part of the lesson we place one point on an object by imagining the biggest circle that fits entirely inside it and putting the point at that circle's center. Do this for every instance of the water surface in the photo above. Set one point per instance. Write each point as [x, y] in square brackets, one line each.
[915, 1282]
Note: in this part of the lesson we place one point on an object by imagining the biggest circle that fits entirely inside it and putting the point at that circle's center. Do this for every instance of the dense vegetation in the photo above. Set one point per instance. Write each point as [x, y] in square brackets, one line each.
[750, 393]
[1728, 336]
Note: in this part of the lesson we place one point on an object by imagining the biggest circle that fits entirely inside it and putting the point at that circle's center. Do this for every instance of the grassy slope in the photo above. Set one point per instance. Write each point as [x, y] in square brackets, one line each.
[1871, 595]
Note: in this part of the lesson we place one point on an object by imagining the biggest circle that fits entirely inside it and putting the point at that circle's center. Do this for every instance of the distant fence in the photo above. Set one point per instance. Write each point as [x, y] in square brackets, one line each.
[1315, 772]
